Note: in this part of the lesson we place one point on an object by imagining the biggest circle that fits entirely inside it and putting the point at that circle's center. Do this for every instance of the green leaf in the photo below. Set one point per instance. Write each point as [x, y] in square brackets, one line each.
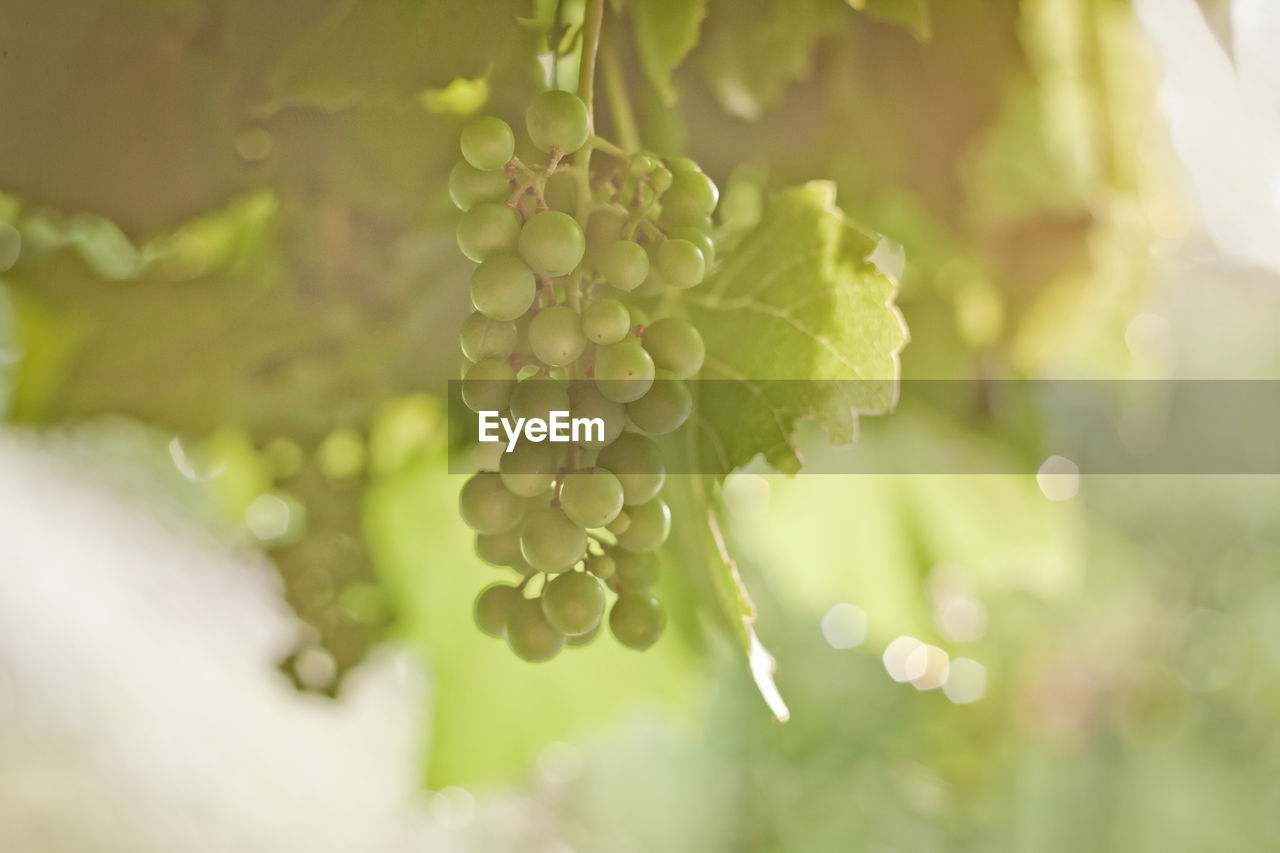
[666, 30]
[805, 298]
[912, 14]
[752, 48]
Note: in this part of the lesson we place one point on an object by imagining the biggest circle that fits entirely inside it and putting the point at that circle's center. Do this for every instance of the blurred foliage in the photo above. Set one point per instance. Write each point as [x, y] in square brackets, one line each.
[235, 228]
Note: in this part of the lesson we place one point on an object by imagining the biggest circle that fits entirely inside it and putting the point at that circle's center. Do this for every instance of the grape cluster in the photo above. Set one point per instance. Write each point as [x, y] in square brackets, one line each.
[572, 296]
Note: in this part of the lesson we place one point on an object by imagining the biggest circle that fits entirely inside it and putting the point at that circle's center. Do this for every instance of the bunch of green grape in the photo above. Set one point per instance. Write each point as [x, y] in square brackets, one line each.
[575, 292]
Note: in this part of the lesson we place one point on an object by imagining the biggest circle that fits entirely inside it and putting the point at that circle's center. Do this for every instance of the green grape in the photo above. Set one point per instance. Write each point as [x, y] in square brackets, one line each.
[503, 288]
[699, 238]
[552, 243]
[637, 620]
[592, 497]
[636, 460]
[529, 469]
[482, 337]
[681, 263]
[623, 371]
[584, 639]
[487, 506]
[666, 406]
[551, 542]
[692, 197]
[683, 164]
[635, 571]
[557, 119]
[653, 285]
[468, 186]
[620, 524]
[586, 401]
[675, 345]
[624, 264]
[660, 179]
[556, 335]
[500, 549]
[488, 143]
[486, 386]
[538, 397]
[602, 566]
[529, 633]
[643, 164]
[606, 321]
[493, 607]
[742, 207]
[573, 603]
[561, 192]
[604, 228]
[488, 229]
[649, 528]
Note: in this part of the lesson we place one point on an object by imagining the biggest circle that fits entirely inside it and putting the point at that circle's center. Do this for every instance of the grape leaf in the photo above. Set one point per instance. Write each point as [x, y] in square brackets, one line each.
[912, 14]
[752, 48]
[799, 322]
[666, 30]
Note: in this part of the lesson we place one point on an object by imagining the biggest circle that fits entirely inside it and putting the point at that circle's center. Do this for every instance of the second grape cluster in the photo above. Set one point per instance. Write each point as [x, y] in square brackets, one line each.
[574, 312]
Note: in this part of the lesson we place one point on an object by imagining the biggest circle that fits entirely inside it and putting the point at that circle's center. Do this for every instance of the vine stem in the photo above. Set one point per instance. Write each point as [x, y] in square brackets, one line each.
[624, 118]
[591, 23]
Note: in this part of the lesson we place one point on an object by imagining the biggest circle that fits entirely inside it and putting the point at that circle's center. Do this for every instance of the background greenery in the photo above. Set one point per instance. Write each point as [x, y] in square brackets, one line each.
[235, 231]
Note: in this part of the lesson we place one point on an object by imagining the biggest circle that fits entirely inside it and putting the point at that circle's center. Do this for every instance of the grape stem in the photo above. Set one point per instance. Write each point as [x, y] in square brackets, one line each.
[601, 144]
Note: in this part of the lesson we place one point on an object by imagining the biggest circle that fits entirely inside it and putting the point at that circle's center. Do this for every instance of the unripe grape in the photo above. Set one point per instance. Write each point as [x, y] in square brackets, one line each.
[654, 284]
[468, 186]
[583, 639]
[602, 566]
[683, 164]
[660, 179]
[636, 460]
[573, 602]
[624, 264]
[692, 197]
[488, 143]
[635, 571]
[637, 620]
[529, 633]
[556, 335]
[681, 263]
[620, 524]
[586, 401]
[557, 119]
[643, 164]
[551, 542]
[675, 345]
[606, 321]
[488, 229]
[649, 528]
[493, 607]
[604, 228]
[561, 192]
[482, 337]
[591, 498]
[486, 386]
[503, 288]
[665, 408]
[552, 243]
[537, 397]
[699, 238]
[500, 549]
[623, 371]
[487, 506]
[529, 469]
